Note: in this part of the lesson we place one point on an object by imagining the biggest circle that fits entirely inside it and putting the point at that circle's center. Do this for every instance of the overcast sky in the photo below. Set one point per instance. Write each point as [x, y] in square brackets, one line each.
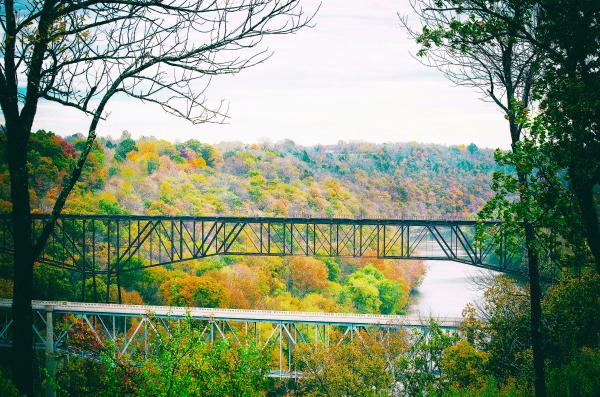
[352, 77]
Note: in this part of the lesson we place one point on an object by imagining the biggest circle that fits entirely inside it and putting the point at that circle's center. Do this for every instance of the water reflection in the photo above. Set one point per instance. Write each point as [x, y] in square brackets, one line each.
[447, 288]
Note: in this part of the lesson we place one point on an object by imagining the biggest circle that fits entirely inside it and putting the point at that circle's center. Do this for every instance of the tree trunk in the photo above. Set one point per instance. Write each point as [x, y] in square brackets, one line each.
[589, 214]
[535, 301]
[23, 264]
[535, 298]
[535, 291]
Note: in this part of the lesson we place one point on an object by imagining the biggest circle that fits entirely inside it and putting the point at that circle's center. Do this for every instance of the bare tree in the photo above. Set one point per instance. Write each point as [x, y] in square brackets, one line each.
[83, 53]
[475, 48]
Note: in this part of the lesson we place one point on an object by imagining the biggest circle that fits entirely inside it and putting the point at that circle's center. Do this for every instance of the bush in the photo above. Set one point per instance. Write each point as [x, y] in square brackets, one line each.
[489, 389]
[580, 377]
[463, 365]
[7, 388]
[183, 365]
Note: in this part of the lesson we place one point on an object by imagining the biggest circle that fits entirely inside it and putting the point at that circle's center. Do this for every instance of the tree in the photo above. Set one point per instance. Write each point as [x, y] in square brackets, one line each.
[183, 364]
[193, 291]
[565, 38]
[364, 291]
[307, 275]
[344, 369]
[463, 365]
[499, 327]
[481, 49]
[569, 37]
[392, 297]
[81, 54]
[125, 146]
[418, 368]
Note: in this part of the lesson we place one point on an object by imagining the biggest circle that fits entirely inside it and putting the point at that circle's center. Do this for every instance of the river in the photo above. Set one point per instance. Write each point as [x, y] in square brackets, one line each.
[446, 288]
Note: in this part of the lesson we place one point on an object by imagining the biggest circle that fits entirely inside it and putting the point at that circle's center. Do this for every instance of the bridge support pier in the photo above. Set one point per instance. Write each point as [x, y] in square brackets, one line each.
[50, 359]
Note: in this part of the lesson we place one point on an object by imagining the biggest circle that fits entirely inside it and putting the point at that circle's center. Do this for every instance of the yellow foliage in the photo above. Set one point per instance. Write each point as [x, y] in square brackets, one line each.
[198, 179]
[464, 366]
[131, 297]
[128, 173]
[198, 162]
[319, 303]
[6, 288]
[146, 147]
[335, 190]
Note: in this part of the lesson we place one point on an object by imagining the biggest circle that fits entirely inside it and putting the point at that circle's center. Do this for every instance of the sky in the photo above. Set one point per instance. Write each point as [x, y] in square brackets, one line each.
[352, 77]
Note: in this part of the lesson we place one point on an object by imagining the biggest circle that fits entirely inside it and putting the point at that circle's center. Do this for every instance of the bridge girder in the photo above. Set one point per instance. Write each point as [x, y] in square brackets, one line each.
[112, 244]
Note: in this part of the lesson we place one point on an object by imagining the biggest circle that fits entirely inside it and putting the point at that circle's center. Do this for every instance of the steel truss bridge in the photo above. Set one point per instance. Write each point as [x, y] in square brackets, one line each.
[109, 245]
[139, 330]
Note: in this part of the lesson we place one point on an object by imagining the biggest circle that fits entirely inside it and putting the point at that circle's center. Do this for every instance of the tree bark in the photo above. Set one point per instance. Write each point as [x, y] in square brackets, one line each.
[589, 214]
[535, 291]
[535, 298]
[23, 264]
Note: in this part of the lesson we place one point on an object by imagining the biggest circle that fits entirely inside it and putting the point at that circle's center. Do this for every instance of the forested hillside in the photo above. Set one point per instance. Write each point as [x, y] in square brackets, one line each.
[151, 176]
[157, 177]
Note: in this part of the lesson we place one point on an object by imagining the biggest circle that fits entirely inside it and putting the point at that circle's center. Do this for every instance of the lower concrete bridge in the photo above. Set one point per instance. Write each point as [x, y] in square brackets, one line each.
[136, 329]
[139, 329]
[109, 245]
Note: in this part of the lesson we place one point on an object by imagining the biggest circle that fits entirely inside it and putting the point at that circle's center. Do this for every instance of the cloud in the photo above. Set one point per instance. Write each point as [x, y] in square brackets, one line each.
[352, 77]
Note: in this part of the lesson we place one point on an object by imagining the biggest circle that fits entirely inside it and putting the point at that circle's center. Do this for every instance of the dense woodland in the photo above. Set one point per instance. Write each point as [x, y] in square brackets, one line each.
[157, 177]
[151, 176]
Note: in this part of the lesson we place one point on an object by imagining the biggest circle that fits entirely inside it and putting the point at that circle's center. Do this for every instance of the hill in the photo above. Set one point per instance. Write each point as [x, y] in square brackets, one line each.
[151, 176]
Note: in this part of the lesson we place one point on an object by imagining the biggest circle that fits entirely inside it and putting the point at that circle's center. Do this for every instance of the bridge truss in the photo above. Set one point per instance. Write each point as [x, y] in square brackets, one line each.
[139, 330]
[109, 245]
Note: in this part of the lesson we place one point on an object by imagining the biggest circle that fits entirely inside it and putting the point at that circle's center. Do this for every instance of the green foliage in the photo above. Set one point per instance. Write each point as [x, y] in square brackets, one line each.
[109, 206]
[125, 146]
[500, 329]
[572, 308]
[489, 389]
[472, 148]
[152, 165]
[391, 296]
[7, 388]
[505, 333]
[364, 294]
[372, 292]
[539, 197]
[333, 268]
[418, 368]
[579, 377]
[52, 283]
[184, 365]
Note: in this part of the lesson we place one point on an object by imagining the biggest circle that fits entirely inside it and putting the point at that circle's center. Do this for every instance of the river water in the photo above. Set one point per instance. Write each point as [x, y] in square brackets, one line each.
[446, 288]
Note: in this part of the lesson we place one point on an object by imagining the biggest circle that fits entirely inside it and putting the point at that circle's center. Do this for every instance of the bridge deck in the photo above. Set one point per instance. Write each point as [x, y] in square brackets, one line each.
[218, 314]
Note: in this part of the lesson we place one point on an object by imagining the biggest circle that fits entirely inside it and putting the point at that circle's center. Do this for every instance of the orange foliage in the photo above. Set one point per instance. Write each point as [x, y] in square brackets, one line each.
[193, 291]
[307, 275]
[131, 297]
[245, 285]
